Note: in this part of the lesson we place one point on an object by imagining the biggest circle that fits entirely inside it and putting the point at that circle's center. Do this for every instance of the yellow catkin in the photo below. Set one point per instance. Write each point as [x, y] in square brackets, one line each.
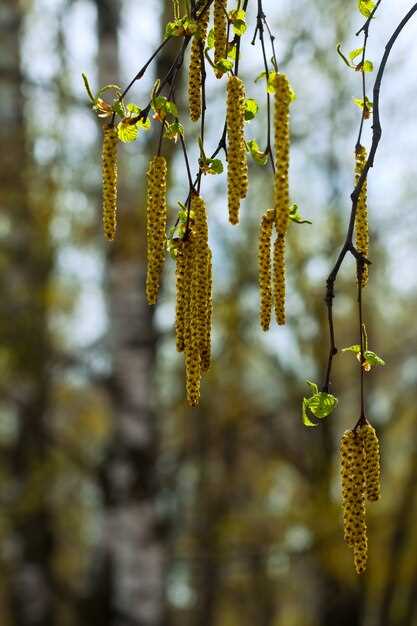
[265, 275]
[361, 225]
[279, 278]
[206, 347]
[156, 224]
[372, 462]
[220, 33]
[237, 166]
[194, 74]
[182, 295]
[109, 163]
[353, 497]
[194, 300]
[282, 151]
[192, 335]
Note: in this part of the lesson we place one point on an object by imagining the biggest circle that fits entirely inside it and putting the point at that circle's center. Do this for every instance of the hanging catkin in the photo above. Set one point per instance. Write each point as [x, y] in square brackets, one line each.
[109, 164]
[372, 462]
[195, 69]
[279, 278]
[220, 33]
[237, 167]
[265, 275]
[194, 300]
[282, 152]
[156, 224]
[353, 496]
[361, 224]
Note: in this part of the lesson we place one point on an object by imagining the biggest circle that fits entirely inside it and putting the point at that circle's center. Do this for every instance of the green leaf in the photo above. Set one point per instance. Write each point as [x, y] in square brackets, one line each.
[313, 386]
[372, 358]
[171, 107]
[251, 108]
[127, 132]
[224, 65]
[322, 404]
[355, 349]
[133, 109]
[367, 66]
[306, 420]
[366, 7]
[232, 53]
[360, 103]
[173, 130]
[238, 19]
[261, 75]
[355, 53]
[270, 87]
[296, 216]
[88, 88]
[257, 154]
[215, 166]
[210, 39]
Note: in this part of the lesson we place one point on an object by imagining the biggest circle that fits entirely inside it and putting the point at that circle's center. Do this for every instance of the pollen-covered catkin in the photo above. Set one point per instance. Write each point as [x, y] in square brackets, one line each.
[220, 33]
[282, 151]
[194, 74]
[192, 334]
[372, 462]
[237, 166]
[109, 164]
[156, 224]
[279, 278]
[353, 496]
[265, 274]
[182, 296]
[361, 225]
[206, 347]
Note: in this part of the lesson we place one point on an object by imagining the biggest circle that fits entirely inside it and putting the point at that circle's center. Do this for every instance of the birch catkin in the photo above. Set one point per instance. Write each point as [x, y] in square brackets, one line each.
[237, 167]
[194, 300]
[353, 496]
[372, 462]
[361, 224]
[282, 152]
[109, 164]
[195, 69]
[279, 278]
[265, 275]
[156, 224]
[220, 33]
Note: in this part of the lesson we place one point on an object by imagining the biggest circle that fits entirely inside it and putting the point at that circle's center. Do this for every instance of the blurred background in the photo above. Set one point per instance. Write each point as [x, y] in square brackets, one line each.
[119, 505]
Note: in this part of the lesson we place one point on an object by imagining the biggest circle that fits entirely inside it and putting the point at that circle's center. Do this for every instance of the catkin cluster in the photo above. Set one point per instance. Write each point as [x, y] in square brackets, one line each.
[362, 229]
[195, 69]
[194, 300]
[273, 283]
[156, 213]
[360, 473]
[220, 33]
[109, 163]
[237, 166]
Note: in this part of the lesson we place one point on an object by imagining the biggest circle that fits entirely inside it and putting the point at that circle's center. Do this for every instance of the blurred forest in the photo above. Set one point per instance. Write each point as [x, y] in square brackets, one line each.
[119, 505]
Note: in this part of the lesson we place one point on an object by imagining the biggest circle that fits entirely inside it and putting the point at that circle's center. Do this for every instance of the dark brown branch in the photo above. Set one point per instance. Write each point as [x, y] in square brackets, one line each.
[348, 244]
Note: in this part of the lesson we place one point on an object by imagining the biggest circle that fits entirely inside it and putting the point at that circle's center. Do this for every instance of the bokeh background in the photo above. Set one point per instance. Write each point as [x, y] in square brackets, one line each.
[119, 505]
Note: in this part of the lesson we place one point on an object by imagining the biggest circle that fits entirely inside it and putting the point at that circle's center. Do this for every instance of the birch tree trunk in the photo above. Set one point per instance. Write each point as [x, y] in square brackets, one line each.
[132, 576]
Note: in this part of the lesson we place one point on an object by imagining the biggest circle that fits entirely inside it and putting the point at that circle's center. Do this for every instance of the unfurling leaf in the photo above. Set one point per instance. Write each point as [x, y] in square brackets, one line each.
[322, 404]
[296, 217]
[257, 154]
[306, 420]
[251, 108]
[366, 7]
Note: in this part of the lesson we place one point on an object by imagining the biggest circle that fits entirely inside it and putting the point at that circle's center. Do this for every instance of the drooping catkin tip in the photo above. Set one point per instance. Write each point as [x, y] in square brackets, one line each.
[156, 214]
[265, 274]
[109, 174]
[372, 462]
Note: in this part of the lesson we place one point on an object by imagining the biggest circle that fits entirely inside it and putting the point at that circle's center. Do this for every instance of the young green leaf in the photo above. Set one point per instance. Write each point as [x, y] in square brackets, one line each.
[313, 387]
[251, 108]
[127, 132]
[296, 216]
[210, 39]
[306, 420]
[355, 349]
[322, 404]
[355, 53]
[367, 66]
[366, 7]
[372, 358]
[257, 154]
